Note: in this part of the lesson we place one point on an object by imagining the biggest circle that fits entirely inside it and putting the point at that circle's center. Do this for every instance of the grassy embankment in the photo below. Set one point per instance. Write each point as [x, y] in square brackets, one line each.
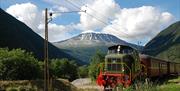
[163, 85]
[171, 85]
[38, 85]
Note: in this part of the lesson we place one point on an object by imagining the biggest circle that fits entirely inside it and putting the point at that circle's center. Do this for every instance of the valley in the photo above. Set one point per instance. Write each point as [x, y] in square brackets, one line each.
[91, 45]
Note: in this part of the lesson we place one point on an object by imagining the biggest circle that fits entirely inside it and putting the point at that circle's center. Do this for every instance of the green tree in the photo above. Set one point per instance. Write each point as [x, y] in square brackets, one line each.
[41, 72]
[64, 68]
[18, 64]
[94, 65]
[83, 71]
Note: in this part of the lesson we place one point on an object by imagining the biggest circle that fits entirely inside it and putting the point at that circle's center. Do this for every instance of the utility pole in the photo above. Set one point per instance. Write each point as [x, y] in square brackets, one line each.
[46, 65]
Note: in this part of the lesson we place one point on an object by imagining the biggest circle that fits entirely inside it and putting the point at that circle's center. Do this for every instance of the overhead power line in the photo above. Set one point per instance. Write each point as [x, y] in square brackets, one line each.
[95, 17]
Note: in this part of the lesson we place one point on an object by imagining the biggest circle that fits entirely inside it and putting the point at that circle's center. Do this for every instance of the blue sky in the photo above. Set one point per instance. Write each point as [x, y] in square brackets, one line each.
[125, 19]
[172, 6]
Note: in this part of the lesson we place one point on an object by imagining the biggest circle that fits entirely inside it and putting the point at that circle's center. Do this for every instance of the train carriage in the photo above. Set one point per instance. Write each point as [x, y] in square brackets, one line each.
[155, 67]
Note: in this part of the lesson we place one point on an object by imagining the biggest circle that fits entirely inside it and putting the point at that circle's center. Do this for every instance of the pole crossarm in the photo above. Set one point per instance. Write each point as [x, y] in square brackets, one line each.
[56, 12]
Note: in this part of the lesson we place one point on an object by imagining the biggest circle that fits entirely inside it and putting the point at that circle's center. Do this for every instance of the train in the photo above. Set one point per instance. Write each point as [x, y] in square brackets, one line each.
[123, 64]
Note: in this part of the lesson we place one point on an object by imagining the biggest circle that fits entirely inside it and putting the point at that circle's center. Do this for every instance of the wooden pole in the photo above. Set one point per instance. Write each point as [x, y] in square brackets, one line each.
[46, 68]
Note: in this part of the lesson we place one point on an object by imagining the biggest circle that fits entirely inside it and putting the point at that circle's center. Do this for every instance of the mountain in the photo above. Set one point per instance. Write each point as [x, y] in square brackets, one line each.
[166, 44]
[84, 45]
[15, 34]
[90, 39]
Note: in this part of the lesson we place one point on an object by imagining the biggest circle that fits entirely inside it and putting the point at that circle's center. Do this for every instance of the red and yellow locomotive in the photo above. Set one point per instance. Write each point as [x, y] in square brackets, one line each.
[123, 65]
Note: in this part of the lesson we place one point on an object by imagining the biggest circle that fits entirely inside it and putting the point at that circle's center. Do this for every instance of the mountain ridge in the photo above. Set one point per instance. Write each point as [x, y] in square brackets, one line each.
[84, 45]
[166, 44]
[94, 37]
[19, 35]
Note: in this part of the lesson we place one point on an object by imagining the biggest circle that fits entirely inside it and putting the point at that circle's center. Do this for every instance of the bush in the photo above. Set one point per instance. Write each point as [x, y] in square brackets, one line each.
[83, 71]
[18, 64]
[12, 89]
[22, 89]
[96, 60]
[63, 68]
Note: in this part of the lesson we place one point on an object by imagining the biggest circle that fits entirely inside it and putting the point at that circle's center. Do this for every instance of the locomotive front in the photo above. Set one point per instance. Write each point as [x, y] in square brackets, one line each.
[120, 63]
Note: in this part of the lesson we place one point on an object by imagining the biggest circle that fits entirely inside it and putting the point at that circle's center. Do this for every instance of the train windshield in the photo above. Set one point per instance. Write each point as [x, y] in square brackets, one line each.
[120, 51]
[127, 51]
[115, 65]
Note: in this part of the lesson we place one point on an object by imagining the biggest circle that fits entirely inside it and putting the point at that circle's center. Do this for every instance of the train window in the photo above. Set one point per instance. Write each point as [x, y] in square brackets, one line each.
[113, 60]
[109, 60]
[114, 65]
[127, 51]
[154, 64]
[113, 51]
[109, 67]
[164, 66]
[119, 60]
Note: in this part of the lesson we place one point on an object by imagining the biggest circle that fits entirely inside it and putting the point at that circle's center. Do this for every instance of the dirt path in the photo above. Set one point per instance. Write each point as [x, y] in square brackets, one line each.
[86, 83]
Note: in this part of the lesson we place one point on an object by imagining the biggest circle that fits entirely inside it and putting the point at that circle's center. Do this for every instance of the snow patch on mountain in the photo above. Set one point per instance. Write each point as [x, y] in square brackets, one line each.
[91, 39]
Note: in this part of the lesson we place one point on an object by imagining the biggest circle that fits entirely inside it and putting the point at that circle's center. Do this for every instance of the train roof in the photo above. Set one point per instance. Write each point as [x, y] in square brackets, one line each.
[123, 46]
[148, 56]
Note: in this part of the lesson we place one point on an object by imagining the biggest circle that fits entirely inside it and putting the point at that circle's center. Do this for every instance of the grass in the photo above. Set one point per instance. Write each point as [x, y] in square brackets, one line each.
[177, 80]
[169, 85]
[36, 85]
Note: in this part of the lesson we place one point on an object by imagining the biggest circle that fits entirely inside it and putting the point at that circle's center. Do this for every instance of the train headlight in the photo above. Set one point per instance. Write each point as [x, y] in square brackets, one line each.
[123, 70]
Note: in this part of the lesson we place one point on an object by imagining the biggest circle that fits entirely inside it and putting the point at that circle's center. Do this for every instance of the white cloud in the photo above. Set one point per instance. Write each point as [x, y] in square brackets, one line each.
[166, 16]
[138, 24]
[57, 32]
[97, 13]
[27, 13]
[34, 18]
[63, 9]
